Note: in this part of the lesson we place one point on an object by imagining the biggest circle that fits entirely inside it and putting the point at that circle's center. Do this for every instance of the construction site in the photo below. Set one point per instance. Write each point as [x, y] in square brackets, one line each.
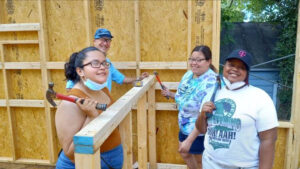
[38, 36]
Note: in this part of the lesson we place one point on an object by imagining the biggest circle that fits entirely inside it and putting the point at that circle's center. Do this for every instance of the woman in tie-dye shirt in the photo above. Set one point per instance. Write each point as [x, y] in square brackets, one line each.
[196, 87]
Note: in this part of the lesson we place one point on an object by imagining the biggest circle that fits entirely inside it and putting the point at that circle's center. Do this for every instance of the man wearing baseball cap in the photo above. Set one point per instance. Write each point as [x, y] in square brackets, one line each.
[102, 41]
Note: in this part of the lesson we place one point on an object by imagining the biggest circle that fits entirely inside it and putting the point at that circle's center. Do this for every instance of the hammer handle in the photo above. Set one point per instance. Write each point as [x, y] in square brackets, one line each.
[162, 87]
[64, 97]
[73, 99]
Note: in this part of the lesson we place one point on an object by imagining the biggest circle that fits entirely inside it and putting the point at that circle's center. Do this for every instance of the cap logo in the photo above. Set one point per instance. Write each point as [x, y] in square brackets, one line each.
[242, 53]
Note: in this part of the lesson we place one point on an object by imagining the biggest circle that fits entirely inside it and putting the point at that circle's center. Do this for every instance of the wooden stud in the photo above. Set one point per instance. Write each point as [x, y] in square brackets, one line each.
[295, 116]
[19, 27]
[137, 37]
[22, 65]
[163, 65]
[216, 26]
[44, 55]
[11, 115]
[88, 161]
[125, 129]
[189, 35]
[87, 12]
[19, 42]
[142, 132]
[152, 127]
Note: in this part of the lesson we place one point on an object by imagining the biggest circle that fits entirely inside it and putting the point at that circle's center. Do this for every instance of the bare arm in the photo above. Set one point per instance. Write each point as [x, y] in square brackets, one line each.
[267, 148]
[201, 123]
[69, 119]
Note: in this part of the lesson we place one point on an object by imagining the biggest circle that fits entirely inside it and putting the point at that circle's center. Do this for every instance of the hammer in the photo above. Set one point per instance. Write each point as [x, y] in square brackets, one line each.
[162, 86]
[50, 94]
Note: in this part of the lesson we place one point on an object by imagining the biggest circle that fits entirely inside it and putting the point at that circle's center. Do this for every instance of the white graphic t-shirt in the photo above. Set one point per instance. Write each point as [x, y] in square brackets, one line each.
[232, 133]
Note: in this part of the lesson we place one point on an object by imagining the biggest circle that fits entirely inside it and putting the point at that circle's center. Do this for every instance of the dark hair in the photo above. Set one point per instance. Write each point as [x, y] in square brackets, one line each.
[207, 54]
[76, 60]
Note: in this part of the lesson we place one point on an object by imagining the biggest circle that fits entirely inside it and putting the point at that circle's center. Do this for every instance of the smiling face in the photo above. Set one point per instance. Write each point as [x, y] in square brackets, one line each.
[102, 44]
[235, 70]
[198, 63]
[98, 75]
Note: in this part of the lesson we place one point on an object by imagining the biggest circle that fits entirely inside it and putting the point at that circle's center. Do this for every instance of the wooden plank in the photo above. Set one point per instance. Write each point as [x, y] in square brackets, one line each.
[8, 42]
[88, 161]
[2, 103]
[26, 103]
[289, 149]
[285, 124]
[170, 166]
[163, 65]
[22, 65]
[295, 115]
[125, 65]
[32, 161]
[166, 106]
[19, 27]
[44, 57]
[216, 27]
[11, 115]
[142, 132]
[152, 128]
[96, 132]
[55, 65]
[137, 36]
[6, 159]
[169, 85]
[189, 35]
[88, 24]
[125, 129]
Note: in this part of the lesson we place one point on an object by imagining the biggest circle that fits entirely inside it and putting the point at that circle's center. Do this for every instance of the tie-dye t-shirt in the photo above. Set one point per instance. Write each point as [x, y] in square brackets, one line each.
[191, 94]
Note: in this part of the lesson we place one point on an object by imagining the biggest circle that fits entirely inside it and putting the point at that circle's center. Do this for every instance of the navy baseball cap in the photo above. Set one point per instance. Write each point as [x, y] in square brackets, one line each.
[102, 32]
[242, 55]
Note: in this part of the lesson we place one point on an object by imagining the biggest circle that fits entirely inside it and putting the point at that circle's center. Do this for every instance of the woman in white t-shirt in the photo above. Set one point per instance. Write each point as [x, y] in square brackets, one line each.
[242, 131]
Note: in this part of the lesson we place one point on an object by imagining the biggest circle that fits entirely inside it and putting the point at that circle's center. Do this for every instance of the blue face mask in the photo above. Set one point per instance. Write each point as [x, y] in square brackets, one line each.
[94, 85]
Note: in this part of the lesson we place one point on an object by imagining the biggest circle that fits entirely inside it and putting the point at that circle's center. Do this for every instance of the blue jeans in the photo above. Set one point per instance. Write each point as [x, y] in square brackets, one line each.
[113, 158]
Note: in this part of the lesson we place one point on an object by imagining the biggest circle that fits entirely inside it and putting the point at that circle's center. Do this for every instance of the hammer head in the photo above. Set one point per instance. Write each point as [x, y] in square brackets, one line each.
[155, 73]
[50, 94]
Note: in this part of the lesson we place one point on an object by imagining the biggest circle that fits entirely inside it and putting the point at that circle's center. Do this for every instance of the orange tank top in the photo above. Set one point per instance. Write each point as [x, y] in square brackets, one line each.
[114, 139]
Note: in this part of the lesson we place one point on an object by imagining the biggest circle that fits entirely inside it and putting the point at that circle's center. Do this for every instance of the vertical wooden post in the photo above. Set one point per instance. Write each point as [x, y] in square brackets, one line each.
[152, 127]
[11, 115]
[125, 129]
[44, 55]
[216, 33]
[137, 37]
[295, 113]
[142, 132]
[189, 43]
[87, 13]
[88, 161]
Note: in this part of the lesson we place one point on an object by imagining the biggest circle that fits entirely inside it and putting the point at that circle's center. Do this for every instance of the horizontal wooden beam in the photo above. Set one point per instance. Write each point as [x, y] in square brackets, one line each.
[8, 42]
[285, 124]
[118, 65]
[169, 85]
[6, 159]
[19, 27]
[22, 65]
[163, 65]
[33, 161]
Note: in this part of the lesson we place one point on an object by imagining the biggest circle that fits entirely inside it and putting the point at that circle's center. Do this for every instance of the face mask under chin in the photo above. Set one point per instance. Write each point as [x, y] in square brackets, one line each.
[94, 85]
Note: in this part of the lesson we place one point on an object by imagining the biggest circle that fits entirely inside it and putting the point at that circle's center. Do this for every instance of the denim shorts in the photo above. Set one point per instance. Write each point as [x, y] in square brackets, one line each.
[113, 158]
[197, 146]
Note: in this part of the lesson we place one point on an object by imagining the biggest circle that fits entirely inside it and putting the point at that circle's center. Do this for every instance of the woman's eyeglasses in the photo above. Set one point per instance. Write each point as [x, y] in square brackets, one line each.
[196, 60]
[97, 64]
